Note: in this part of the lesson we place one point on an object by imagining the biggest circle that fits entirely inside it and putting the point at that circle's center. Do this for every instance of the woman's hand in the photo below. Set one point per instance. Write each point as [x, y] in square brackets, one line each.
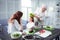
[21, 30]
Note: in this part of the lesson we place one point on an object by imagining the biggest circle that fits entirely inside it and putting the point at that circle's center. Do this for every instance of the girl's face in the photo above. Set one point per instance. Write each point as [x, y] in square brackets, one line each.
[30, 19]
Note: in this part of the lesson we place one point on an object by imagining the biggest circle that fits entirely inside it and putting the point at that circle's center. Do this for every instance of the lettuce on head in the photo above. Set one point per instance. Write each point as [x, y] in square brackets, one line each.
[31, 15]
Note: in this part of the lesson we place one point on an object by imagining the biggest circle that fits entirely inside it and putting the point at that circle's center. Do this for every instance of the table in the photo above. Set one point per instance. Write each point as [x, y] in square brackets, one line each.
[55, 35]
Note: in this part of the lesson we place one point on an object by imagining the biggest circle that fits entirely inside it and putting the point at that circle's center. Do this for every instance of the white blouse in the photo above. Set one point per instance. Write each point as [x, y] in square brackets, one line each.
[14, 27]
[30, 25]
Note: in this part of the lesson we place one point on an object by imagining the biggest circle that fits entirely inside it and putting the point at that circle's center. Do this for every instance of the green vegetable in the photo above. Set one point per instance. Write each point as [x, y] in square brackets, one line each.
[31, 15]
[48, 28]
[36, 29]
[31, 31]
[16, 35]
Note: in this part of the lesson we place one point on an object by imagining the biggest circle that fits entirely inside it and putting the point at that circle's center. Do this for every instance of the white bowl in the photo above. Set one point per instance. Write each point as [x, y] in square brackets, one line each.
[14, 33]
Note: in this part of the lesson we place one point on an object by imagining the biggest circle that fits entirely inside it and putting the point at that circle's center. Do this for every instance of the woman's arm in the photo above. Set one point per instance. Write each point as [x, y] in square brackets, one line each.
[21, 26]
[38, 17]
[10, 25]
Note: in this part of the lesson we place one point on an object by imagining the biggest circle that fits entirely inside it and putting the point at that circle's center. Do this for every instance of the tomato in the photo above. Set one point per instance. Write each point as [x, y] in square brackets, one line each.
[41, 31]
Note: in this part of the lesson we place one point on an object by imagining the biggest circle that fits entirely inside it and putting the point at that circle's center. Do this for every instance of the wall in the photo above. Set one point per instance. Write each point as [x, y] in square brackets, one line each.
[8, 7]
[3, 9]
[12, 6]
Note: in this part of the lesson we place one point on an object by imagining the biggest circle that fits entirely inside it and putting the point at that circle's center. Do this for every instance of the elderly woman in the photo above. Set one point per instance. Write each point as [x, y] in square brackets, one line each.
[14, 23]
[40, 14]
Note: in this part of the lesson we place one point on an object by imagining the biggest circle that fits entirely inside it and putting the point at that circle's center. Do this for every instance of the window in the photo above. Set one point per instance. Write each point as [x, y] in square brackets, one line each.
[26, 8]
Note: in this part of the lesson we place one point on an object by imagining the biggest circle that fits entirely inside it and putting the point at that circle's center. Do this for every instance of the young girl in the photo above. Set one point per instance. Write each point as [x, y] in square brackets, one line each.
[30, 24]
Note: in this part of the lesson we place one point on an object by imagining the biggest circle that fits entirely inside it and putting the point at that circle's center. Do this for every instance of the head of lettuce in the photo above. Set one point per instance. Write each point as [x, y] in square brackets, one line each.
[32, 15]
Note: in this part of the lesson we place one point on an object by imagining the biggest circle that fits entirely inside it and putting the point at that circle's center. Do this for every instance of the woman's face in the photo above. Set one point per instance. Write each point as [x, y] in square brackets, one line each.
[13, 17]
[44, 9]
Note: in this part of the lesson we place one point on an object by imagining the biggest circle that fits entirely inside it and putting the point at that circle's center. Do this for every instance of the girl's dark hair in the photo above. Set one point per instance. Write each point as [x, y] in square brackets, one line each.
[32, 19]
[18, 16]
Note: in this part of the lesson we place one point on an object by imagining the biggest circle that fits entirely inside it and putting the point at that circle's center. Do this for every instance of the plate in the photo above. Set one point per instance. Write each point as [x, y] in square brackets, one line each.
[45, 34]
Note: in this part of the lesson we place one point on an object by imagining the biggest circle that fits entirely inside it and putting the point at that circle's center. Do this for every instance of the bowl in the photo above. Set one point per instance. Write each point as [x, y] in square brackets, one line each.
[36, 28]
[28, 37]
[48, 28]
[27, 32]
[16, 35]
